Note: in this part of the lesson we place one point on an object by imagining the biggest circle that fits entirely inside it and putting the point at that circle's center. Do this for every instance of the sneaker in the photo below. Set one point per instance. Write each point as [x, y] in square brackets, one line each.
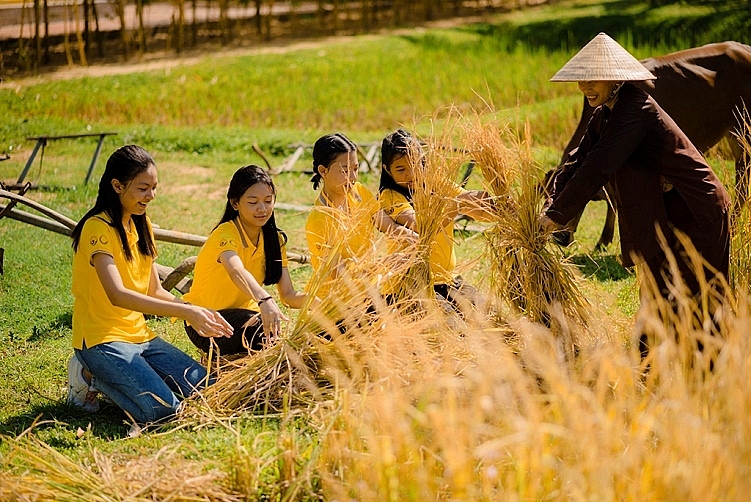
[80, 393]
[135, 430]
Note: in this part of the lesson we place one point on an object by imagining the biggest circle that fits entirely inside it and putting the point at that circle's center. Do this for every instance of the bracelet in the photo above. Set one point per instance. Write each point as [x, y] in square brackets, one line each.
[264, 299]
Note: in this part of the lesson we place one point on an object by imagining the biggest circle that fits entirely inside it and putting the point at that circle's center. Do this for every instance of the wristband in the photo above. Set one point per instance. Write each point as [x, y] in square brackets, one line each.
[264, 299]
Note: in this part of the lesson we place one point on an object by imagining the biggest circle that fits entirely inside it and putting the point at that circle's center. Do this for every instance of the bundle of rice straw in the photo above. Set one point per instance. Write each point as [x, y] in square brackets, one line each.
[526, 273]
[291, 373]
[436, 167]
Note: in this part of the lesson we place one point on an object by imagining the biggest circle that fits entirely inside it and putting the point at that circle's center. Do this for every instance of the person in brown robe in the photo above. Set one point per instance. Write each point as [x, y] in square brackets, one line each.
[657, 180]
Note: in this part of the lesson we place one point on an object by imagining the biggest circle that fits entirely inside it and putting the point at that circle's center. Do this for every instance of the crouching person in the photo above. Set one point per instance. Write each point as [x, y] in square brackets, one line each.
[115, 282]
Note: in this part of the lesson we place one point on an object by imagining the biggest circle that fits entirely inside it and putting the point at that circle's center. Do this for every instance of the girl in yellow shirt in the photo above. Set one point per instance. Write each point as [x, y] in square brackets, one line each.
[395, 197]
[331, 224]
[244, 252]
[115, 281]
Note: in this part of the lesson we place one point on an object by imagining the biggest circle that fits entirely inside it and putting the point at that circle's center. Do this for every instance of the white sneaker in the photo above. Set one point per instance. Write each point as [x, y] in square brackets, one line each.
[135, 430]
[80, 393]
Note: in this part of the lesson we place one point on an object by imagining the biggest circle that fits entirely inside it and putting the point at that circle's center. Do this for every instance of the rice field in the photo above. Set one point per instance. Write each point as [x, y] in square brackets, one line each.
[537, 393]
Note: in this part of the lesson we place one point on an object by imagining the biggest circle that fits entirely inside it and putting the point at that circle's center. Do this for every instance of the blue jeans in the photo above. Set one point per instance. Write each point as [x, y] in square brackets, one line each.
[147, 380]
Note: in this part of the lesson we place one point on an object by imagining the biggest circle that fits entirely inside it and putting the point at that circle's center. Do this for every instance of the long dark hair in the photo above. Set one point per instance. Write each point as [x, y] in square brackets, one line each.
[242, 180]
[396, 145]
[124, 164]
[326, 149]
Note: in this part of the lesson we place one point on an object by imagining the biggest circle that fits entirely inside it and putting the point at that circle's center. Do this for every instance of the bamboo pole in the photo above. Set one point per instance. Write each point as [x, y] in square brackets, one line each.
[66, 228]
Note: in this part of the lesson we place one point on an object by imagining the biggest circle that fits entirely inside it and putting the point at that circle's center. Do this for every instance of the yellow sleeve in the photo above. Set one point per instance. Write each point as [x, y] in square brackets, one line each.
[97, 236]
[318, 233]
[283, 248]
[394, 203]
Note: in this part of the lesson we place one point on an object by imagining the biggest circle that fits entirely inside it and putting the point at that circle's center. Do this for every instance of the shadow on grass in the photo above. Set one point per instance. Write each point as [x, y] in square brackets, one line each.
[624, 20]
[601, 267]
[58, 328]
[109, 423]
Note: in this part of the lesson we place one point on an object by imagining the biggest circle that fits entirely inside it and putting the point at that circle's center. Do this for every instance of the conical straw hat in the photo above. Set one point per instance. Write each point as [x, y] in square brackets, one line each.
[602, 59]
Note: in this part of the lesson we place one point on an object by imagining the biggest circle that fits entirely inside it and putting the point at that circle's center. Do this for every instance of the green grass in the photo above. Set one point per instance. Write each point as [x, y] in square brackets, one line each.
[200, 122]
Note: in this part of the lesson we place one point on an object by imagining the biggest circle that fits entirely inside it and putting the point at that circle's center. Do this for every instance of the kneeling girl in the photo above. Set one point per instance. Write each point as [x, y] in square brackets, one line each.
[115, 281]
[243, 252]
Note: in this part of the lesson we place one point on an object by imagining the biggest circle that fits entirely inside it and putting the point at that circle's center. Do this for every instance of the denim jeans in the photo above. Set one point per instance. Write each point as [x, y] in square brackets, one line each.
[147, 380]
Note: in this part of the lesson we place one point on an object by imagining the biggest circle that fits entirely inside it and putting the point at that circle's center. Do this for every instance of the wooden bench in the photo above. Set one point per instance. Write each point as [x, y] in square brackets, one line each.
[41, 143]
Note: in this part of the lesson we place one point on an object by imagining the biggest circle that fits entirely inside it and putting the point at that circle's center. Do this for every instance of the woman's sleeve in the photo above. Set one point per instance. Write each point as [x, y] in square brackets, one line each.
[97, 236]
[317, 237]
[595, 161]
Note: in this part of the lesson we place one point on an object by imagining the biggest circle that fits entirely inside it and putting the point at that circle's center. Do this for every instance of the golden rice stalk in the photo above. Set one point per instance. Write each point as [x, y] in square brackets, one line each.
[527, 273]
[33, 470]
[290, 374]
[436, 170]
[692, 322]
[740, 246]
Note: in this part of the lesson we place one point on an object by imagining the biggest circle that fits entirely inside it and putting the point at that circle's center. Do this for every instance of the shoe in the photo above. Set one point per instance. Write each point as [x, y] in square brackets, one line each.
[80, 393]
[135, 430]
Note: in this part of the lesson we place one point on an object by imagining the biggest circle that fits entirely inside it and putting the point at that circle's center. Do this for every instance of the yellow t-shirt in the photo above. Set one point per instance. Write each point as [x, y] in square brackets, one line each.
[442, 254]
[95, 319]
[327, 227]
[212, 287]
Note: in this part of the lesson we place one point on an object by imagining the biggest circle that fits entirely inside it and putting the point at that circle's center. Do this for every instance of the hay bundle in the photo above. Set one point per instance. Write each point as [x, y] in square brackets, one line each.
[525, 273]
[300, 371]
[436, 167]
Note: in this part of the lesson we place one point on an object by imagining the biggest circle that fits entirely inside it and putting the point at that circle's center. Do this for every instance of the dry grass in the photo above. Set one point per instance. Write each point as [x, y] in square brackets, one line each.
[409, 404]
[42, 473]
[740, 248]
[525, 272]
[436, 166]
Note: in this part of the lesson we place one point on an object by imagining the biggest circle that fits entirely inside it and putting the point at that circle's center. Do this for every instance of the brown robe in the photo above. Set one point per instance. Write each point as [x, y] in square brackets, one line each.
[632, 150]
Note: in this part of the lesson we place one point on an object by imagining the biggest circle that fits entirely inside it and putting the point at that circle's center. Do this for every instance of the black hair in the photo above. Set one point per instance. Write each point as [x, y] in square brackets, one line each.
[124, 165]
[242, 180]
[396, 145]
[326, 149]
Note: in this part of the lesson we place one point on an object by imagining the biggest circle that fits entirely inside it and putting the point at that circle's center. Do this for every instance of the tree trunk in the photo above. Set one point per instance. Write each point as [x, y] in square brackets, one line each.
[120, 9]
[180, 26]
[99, 36]
[86, 26]
[194, 24]
[224, 25]
[141, 30]
[293, 16]
[259, 22]
[269, 19]
[79, 37]
[37, 37]
[66, 42]
[21, 48]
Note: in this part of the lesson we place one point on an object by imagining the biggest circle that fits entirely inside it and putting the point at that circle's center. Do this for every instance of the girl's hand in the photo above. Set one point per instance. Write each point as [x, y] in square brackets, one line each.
[208, 323]
[271, 317]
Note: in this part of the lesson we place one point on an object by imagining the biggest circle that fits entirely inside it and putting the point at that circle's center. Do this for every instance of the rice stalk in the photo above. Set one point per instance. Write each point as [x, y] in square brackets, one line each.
[530, 426]
[694, 323]
[525, 271]
[291, 376]
[740, 245]
[36, 471]
[436, 166]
